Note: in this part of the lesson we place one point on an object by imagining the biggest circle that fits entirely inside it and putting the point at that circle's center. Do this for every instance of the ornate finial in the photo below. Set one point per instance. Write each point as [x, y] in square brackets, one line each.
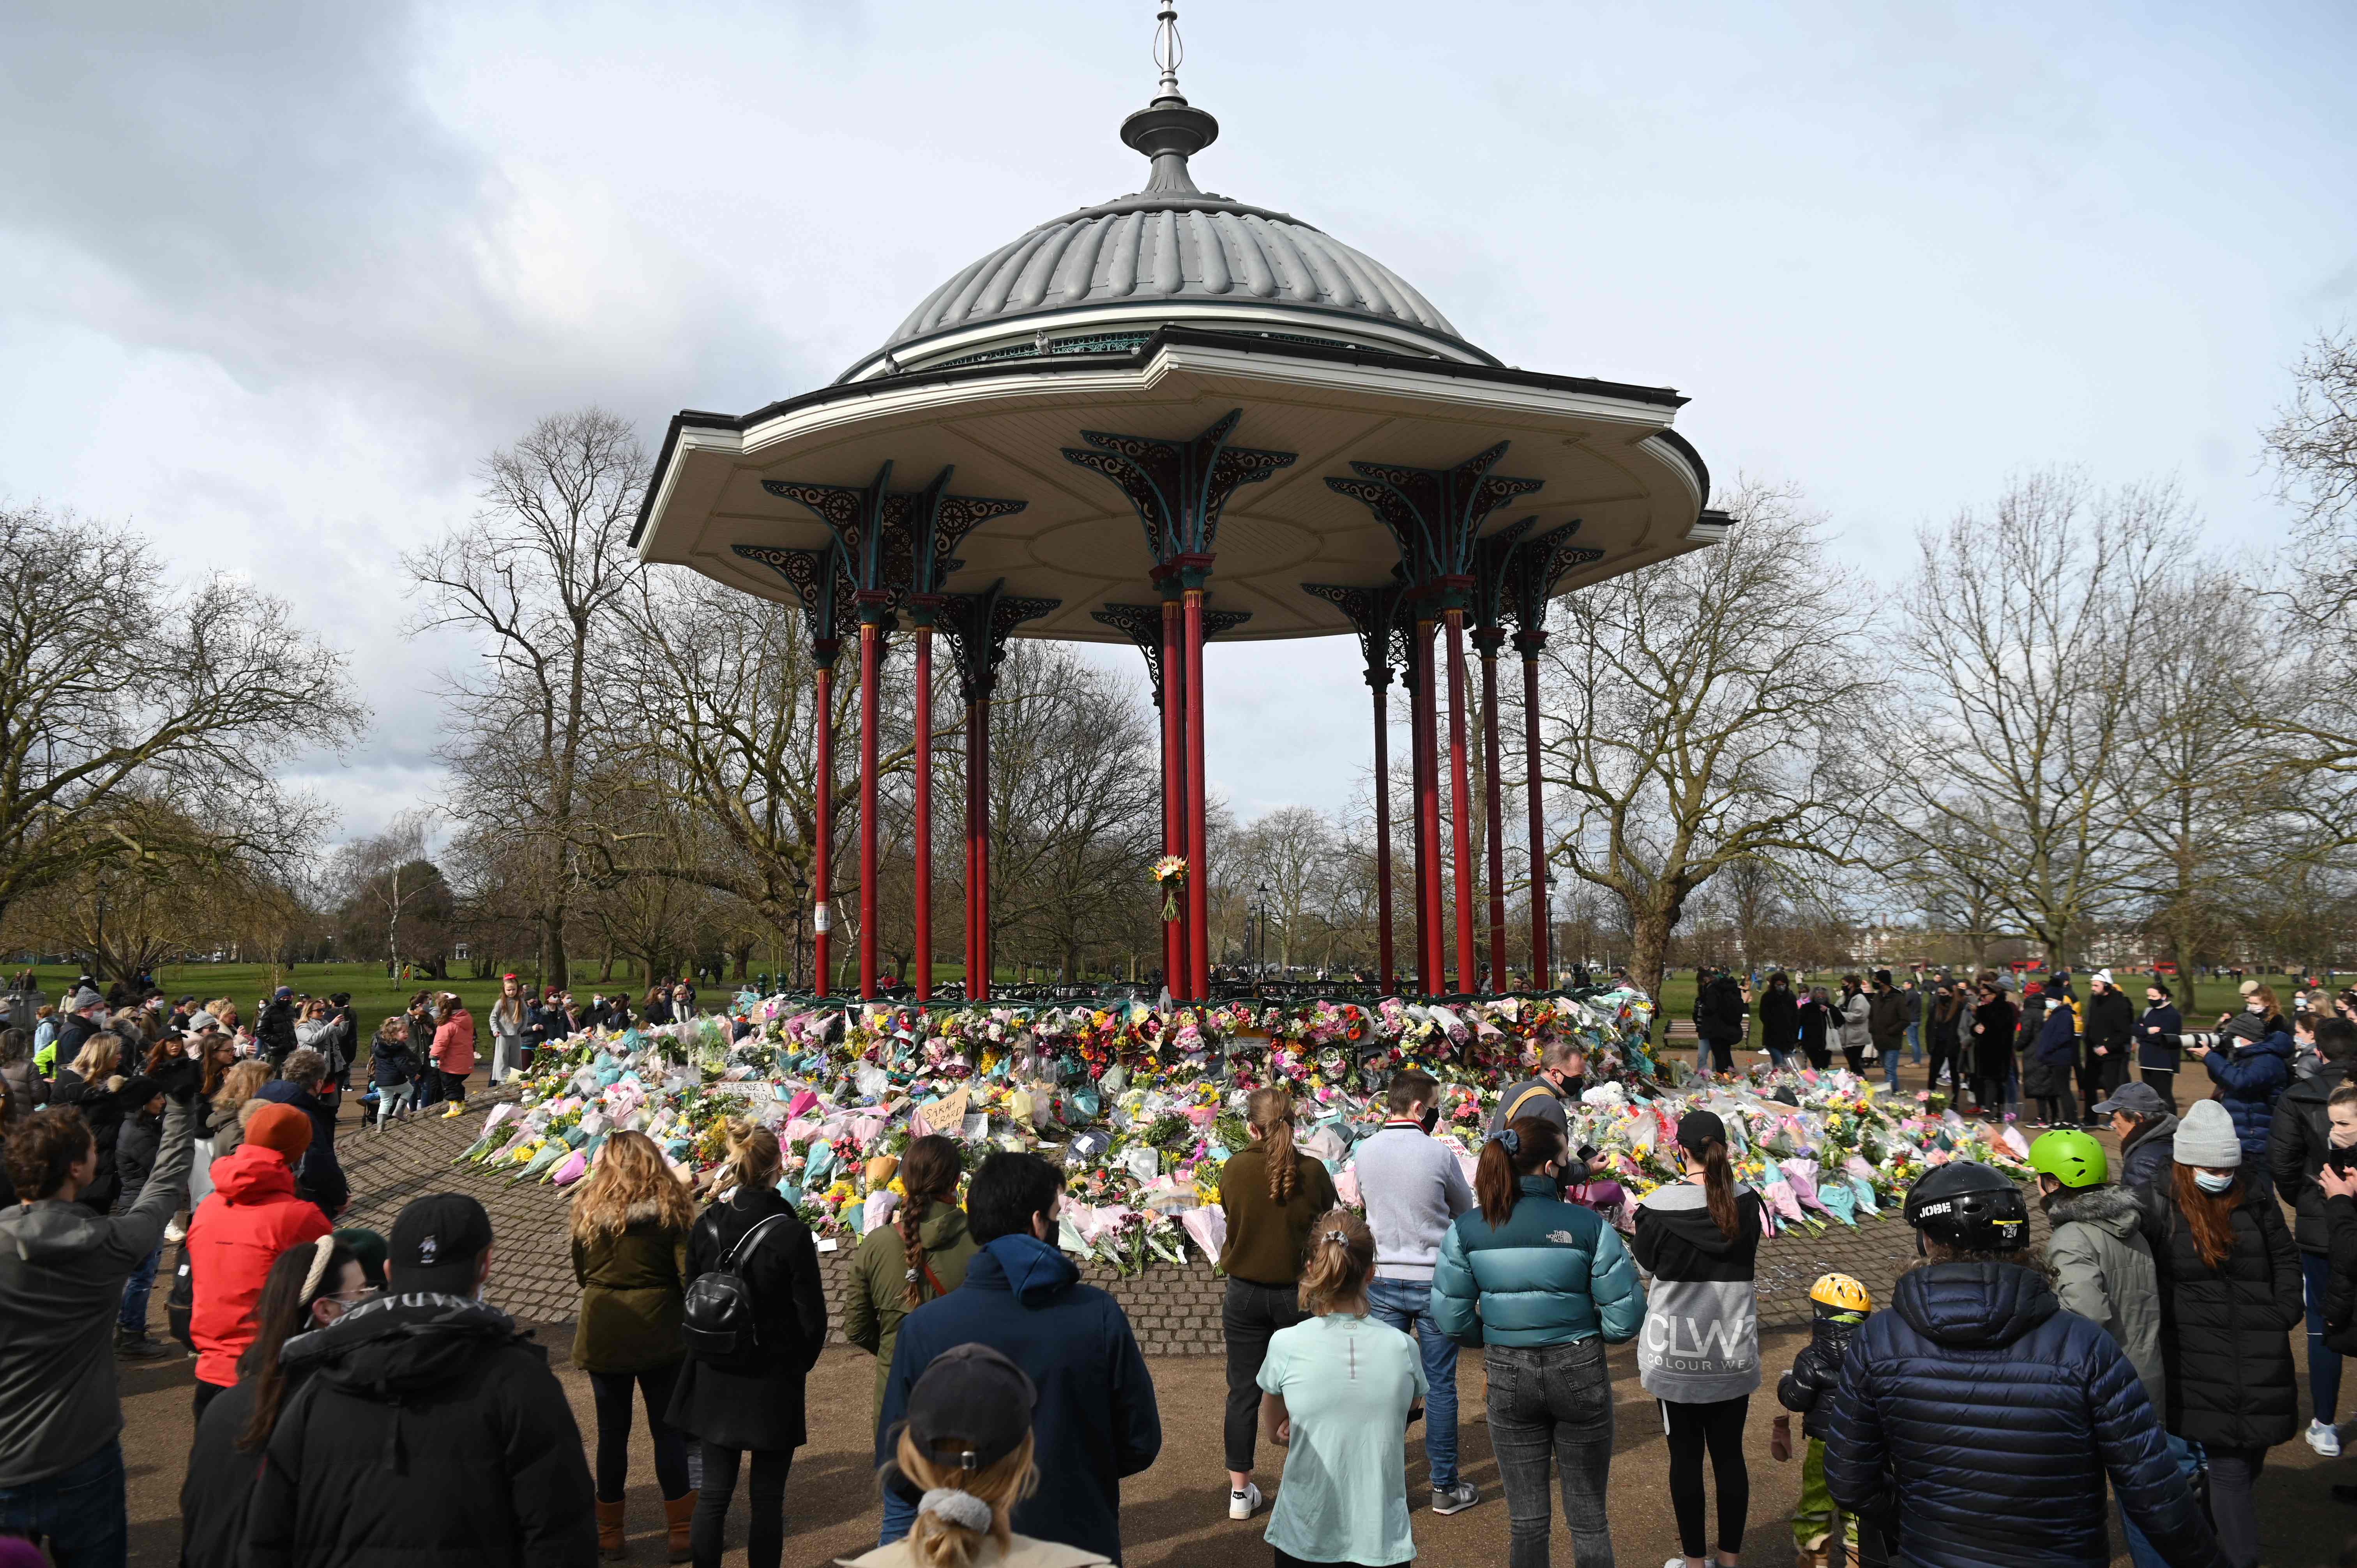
[1169, 130]
[1167, 50]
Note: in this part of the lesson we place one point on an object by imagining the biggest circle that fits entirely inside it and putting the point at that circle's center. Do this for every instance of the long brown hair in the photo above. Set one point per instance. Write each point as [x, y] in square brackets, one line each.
[240, 1084]
[1341, 1261]
[2209, 1218]
[1271, 1110]
[280, 1313]
[1536, 1141]
[1718, 1187]
[208, 1043]
[630, 1177]
[929, 1168]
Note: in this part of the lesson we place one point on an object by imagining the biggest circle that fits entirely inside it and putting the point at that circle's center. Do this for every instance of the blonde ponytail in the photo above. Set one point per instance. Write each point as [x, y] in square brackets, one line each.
[938, 1540]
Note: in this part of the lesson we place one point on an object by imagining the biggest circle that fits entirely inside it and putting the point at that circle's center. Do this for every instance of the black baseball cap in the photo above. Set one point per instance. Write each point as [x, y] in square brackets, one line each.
[1699, 1129]
[970, 1407]
[435, 1243]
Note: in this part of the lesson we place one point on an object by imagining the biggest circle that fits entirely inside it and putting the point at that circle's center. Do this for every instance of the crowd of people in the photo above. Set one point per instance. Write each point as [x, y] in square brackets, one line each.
[358, 1398]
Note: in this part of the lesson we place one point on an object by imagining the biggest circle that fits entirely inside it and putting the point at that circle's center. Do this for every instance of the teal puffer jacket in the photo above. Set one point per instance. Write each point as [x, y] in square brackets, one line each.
[1553, 1273]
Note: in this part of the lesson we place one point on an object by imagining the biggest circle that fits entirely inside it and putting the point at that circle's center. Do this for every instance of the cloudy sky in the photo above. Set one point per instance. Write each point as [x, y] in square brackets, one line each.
[273, 278]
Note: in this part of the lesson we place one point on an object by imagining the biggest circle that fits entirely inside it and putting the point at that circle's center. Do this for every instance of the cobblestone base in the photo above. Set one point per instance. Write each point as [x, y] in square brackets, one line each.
[1174, 1311]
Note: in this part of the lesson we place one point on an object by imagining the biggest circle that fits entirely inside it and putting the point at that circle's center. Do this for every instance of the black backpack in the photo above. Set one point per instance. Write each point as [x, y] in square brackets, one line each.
[719, 1313]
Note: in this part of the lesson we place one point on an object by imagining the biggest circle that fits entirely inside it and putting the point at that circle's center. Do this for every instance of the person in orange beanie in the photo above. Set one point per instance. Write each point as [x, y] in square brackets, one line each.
[237, 1232]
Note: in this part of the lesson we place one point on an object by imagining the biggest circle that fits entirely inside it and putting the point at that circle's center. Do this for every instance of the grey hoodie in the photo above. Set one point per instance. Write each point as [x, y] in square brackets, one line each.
[2104, 1271]
[61, 1273]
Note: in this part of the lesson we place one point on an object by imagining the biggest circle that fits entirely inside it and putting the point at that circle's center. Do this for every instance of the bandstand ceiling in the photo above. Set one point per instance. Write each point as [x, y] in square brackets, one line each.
[1605, 453]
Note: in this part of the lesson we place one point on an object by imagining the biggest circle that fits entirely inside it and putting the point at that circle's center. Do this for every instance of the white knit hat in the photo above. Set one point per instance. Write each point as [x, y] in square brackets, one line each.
[2205, 1137]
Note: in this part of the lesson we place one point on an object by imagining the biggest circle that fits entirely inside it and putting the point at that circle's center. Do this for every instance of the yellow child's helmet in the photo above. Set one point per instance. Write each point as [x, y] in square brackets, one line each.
[1842, 1292]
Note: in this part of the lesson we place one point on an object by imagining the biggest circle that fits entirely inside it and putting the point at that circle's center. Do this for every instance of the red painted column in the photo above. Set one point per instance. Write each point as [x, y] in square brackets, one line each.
[982, 843]
[1198, 908]
[822, 914]
[871, 664]
[1541, 913]
[1175, 971]
[922, 886]
[1485, 643]
[972, 849]
[1431, 962]
[1460, 824]
[1383, 827]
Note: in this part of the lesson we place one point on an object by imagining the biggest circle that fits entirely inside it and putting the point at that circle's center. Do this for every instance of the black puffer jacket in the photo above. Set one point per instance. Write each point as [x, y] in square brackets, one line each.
[757, 1402]
[1997, 1416]
[2111, 1026]
[2341, 1291]
[2298, 1140]
[1808, 1386]
[2226, 1332]
[430, 1430]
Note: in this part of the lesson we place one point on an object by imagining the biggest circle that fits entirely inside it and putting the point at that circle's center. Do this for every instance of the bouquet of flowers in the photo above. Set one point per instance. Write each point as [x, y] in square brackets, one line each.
[1169, 874]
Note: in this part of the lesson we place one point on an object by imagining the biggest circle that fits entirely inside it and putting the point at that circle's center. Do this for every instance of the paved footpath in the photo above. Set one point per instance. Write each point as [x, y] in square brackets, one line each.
[1175, 1514]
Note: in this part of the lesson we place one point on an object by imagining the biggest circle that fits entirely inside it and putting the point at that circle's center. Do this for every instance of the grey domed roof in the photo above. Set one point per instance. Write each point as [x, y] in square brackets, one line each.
[1172, 242]
[1146, 246]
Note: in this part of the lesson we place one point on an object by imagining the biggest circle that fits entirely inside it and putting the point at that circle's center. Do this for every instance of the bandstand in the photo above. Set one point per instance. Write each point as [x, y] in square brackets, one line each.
[1168, 418]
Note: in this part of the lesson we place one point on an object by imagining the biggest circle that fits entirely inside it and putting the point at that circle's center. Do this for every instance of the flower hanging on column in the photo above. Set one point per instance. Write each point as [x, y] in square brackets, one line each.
[1170, 874]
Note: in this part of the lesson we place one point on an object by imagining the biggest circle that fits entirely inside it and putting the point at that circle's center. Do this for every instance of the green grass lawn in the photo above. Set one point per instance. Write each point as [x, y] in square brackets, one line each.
[374, 997]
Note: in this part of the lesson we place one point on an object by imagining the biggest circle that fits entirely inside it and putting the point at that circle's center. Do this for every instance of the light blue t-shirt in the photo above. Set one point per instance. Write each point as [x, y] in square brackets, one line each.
[1347, 1383]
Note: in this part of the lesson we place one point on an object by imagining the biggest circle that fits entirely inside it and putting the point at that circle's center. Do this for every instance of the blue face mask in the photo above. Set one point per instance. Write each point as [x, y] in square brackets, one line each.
[2211, 1182]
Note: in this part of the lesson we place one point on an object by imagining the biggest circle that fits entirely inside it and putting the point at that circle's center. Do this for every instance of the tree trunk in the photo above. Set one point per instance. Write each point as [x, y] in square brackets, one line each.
[2181, 950]
[1650, 951]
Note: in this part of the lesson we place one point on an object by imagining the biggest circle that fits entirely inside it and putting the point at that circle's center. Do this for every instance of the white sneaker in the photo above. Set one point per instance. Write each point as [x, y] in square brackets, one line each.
[175, 1234]
[2325, 1438]
[1246, 1503]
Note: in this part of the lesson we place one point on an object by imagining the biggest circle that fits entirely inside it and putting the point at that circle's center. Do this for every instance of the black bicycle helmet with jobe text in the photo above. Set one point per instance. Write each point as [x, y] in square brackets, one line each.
[1969, 1207]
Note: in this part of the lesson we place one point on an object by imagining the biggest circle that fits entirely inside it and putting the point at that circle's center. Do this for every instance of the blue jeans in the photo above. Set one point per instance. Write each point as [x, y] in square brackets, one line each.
[2188, 1465]
[900, 1515]
[1915, 1044]
[1552, 1404]
[133, 1316]
[81, 1510]
[1890, 1060]
[1406, 1305]
[2323, 1364]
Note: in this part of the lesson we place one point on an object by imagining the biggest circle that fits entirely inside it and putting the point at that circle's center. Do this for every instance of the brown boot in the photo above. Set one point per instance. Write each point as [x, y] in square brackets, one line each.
[610, 1529]
[677, 1513]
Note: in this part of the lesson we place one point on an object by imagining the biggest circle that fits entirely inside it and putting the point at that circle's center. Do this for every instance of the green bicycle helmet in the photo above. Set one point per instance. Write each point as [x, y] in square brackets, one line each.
[2070, 1157]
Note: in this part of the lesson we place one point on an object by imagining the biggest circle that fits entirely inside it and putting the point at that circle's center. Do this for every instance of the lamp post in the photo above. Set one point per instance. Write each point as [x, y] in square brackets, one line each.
[1260, 926]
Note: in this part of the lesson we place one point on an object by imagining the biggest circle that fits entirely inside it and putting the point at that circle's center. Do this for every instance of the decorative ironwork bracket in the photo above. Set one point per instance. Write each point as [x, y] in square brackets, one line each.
[1178, 487]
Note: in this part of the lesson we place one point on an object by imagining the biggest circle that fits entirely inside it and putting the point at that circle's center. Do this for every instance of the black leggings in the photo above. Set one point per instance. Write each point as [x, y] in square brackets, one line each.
[612, 1393]
[2061, 1109]
[1718, 1427]
[765, 1529]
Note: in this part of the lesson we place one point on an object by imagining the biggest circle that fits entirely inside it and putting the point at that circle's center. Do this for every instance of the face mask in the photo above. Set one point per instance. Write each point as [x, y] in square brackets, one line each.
[1431, 1118]
[2211, 1182]
[2342, 1137]
[2254, 1006]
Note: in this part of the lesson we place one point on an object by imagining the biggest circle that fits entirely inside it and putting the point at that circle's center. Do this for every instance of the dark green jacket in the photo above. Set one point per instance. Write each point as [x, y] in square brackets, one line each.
[633, 1291]
[1553, 1273]
[875, 1298]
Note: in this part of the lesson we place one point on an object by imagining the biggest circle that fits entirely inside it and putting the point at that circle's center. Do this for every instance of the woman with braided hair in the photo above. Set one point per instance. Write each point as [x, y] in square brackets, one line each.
[922, 1253]
[752, 1402]
[1272, 1194]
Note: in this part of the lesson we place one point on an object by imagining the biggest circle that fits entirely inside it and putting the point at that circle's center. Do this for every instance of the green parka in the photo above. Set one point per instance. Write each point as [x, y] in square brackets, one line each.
[875, 1301]
[633, 1296]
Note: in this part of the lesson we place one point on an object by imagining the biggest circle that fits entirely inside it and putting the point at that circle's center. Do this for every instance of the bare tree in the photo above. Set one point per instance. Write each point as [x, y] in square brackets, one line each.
[2312, 446]
[120, 692]
[536, 576]
[1076, 806]
[1290, 851]
[1704, 712]
[2207, 802]
[387, 873]
[2023, 637]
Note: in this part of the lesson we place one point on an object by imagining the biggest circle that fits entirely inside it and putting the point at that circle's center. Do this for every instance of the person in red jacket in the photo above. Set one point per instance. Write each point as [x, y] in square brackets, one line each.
[454, 1050]
[237, 1232]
